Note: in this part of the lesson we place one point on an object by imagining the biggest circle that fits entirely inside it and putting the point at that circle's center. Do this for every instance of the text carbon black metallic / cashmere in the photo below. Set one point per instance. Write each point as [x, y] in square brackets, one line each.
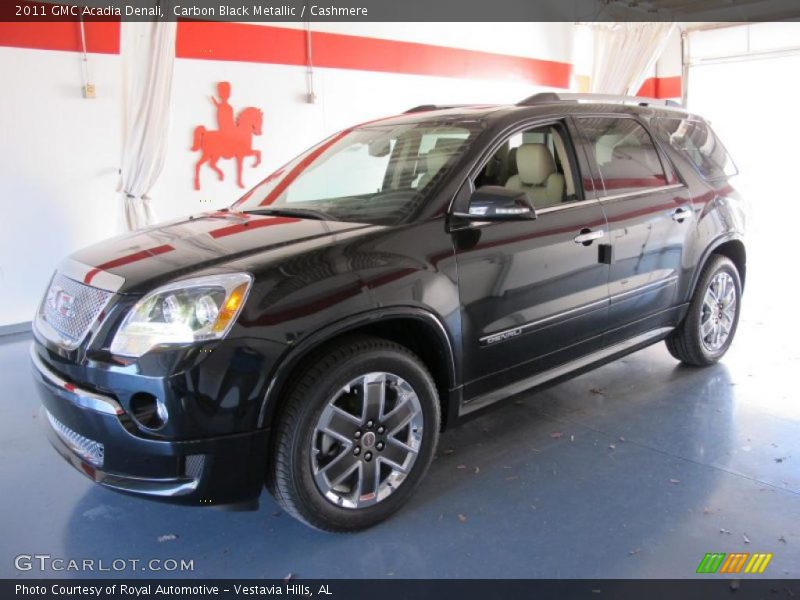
[319, 334]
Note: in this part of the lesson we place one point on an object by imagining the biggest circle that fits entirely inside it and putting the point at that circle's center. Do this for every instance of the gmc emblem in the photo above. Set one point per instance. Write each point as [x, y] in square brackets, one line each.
[61, 302]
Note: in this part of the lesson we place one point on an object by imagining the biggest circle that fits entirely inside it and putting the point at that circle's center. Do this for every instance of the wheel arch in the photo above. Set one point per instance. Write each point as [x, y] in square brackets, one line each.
[419, 330]
[730, 246]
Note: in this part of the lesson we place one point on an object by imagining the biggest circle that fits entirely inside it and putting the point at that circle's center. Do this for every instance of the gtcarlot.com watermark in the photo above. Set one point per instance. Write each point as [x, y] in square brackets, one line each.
[47, 563]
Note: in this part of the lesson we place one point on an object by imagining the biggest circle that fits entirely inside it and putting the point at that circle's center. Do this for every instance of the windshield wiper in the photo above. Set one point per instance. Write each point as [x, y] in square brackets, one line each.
[305, 213]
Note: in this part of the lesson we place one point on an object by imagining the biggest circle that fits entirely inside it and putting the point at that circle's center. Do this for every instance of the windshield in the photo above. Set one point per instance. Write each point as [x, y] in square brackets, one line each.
[369, 174]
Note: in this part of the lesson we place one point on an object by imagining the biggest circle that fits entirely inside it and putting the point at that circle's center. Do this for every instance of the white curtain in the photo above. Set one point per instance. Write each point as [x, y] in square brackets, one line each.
[148, 56]
[624, 54]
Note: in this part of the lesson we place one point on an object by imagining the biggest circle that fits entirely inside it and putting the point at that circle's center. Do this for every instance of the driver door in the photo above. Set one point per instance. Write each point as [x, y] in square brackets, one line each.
[534, 293]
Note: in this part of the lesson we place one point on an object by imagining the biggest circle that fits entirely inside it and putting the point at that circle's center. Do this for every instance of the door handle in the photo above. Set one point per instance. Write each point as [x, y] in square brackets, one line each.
[587, 236]
[680, 214]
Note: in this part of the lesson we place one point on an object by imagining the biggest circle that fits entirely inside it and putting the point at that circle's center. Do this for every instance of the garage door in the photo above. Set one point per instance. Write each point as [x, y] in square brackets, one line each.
[744, 79]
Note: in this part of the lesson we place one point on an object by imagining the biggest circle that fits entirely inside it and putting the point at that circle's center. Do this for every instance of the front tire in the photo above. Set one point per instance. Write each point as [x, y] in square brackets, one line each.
[708, 330]
[355, 436]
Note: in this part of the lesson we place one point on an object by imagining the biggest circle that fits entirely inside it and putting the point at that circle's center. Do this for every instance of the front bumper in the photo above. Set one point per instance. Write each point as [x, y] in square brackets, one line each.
[95, 435]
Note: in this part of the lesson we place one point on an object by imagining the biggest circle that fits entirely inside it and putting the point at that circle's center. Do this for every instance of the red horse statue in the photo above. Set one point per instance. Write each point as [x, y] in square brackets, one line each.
[231, 140]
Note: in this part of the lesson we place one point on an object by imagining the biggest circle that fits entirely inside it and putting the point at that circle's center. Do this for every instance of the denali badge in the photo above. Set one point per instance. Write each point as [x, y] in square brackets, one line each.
[501, 337]
[60, 301]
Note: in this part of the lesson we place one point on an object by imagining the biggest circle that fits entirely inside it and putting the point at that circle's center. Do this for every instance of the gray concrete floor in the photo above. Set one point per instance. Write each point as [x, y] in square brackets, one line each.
[634, 470]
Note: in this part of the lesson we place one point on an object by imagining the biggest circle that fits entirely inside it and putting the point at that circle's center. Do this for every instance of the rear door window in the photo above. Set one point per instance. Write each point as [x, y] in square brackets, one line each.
[624, 155]
[697, 142]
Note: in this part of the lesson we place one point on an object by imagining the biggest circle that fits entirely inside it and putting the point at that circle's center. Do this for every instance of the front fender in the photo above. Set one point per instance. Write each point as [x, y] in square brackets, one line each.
[296, 353]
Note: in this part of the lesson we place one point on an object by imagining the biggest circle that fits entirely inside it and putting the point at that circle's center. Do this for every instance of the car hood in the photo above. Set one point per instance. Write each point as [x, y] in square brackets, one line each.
[138, 260]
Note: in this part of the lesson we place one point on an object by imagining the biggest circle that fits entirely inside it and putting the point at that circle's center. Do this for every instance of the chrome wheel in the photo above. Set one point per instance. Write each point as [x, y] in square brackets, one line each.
[366, 440]
[718, 313]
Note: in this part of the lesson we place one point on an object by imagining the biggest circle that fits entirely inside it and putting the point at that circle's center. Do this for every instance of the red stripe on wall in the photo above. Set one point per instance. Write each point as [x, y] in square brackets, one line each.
[369, 54]
[102, 37]
[266, 44]
[279, 45]
[669, 87]
[662, 87]
[240, 42]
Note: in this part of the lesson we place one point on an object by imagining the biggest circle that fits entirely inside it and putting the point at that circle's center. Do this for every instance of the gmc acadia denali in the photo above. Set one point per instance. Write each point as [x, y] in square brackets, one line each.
[319, 334]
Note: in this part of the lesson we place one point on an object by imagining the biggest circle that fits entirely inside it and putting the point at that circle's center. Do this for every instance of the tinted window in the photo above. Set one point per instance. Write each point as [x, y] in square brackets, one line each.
[699, 144]
[624, 154]
[537, 162]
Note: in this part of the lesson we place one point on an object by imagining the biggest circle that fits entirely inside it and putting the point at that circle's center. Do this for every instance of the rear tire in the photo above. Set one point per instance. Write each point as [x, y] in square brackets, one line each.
[356, 435]
[710, 325]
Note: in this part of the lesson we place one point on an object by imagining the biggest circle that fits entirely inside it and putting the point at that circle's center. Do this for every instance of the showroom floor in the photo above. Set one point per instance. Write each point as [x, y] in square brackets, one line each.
[634, 470]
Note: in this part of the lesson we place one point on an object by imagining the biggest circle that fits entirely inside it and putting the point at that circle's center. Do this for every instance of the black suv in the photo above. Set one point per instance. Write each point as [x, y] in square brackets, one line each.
[319, 334]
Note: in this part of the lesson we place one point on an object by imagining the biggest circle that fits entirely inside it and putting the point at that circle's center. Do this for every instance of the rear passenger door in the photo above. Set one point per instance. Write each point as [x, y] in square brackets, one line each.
[649, 213]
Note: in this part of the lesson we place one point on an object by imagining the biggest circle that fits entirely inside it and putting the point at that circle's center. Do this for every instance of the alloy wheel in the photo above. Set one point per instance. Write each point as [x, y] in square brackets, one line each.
[366, 440]
[718, 313]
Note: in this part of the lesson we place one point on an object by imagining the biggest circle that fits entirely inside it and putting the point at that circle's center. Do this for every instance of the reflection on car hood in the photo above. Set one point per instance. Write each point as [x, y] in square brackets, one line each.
[178, 248]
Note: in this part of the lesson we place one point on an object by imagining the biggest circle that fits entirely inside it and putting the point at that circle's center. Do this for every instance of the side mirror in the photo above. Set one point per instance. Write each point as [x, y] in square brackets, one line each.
[496, 203]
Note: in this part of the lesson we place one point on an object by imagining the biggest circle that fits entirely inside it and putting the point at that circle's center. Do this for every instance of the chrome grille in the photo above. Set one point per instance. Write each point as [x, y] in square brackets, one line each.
[71, 308]
[89, 450]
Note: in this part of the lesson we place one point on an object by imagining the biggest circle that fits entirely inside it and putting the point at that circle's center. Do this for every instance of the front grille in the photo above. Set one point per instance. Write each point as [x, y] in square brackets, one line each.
[89, 450]
[71, 308]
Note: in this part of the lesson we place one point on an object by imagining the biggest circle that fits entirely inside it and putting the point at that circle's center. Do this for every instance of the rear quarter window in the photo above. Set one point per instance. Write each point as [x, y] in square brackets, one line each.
[697, 142]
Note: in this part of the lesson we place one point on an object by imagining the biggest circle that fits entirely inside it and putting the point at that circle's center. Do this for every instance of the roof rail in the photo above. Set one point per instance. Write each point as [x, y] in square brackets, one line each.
[551, 97]
[427, 107]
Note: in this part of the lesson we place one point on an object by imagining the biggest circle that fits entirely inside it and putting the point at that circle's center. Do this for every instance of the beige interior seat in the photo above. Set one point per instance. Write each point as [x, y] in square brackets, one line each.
[537, 175]
[511, 164]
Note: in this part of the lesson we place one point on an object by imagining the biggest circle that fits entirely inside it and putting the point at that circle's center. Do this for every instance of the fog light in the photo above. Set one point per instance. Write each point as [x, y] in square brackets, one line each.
[148, 411]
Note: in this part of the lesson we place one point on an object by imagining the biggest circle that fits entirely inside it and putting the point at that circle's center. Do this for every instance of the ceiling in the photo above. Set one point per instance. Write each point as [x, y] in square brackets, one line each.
[699, 10]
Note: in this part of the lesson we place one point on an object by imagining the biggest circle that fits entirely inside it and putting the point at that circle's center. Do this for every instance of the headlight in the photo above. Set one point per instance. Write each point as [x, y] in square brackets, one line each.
[184, 312]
